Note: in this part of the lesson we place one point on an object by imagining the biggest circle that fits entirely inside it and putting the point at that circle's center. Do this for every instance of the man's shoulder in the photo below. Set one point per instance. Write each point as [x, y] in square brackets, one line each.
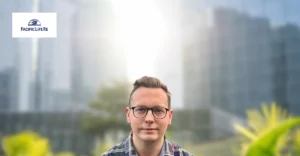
[175, 150]
[172, 150]
[117, 150]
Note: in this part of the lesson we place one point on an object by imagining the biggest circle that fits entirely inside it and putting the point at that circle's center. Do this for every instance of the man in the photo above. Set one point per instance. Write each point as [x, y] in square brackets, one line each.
[149, 113]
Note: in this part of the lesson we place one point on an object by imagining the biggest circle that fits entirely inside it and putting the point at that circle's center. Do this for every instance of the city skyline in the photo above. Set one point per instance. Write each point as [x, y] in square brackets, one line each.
[52, 77]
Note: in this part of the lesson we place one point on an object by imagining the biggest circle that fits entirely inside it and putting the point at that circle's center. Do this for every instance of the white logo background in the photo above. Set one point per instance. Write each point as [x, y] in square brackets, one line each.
[22, 19]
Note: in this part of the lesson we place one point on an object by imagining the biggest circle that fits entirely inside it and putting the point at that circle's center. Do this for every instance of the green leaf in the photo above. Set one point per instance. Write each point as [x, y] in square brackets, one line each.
[266, 143]
[245, 132]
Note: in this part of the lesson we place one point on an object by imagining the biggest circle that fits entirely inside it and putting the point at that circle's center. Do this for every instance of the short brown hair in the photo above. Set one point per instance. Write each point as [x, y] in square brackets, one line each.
[150, 82]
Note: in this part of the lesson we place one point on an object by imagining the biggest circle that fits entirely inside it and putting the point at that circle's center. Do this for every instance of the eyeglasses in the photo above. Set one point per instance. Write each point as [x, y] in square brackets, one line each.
[158, 112]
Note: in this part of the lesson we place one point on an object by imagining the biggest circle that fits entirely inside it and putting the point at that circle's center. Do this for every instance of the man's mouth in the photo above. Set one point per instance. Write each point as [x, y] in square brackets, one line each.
[149, 129]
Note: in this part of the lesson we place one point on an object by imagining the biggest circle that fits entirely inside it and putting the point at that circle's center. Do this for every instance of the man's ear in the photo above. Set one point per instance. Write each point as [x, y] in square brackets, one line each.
[170, 116]
[128, 115]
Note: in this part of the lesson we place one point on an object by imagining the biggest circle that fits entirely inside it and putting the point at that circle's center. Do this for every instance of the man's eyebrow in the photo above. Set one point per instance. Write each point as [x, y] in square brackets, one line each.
[142, 105]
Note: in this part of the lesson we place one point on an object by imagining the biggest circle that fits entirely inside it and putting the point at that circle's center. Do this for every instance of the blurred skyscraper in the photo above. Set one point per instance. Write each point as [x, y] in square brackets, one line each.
[239, 57]
[237, 54]
[286, 63]
[241, 66]
[168, 65]
[96, 61]
[16, 56]
[196, 53]
[52, 87]
[66, 75]
[72, 67]
[8, 62]
[68, 70]
[8, 89]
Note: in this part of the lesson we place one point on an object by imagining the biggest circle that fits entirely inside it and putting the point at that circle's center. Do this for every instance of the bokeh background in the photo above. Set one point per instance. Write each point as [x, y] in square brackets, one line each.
[218, 58]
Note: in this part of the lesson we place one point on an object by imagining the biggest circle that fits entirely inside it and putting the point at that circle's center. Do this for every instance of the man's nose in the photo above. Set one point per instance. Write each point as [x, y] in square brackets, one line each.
[149, 117]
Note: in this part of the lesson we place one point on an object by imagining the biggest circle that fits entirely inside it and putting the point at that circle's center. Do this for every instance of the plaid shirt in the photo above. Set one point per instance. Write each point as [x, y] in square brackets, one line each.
[126, 148]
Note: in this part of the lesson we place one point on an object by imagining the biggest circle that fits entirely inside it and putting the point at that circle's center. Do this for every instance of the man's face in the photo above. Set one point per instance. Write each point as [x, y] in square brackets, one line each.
[149, 128]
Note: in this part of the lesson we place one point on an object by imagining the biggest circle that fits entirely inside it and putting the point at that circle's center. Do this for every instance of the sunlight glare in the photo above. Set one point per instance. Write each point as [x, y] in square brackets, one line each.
[141, 31]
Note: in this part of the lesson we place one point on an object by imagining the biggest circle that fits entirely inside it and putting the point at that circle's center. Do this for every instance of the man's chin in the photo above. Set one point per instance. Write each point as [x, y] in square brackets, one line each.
[149, 138]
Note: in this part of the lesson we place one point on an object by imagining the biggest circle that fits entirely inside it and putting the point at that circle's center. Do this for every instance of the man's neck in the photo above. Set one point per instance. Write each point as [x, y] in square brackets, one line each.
[147, 148]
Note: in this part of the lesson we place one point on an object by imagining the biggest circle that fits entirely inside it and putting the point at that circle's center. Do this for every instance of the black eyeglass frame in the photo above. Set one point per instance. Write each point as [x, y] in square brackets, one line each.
[167, 109]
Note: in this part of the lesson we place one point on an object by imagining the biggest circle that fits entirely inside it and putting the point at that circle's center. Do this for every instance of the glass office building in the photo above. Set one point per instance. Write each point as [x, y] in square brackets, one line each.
[238, 54]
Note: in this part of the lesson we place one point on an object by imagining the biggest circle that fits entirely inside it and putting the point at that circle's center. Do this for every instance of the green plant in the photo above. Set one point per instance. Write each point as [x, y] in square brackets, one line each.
[266, 143]
[262, 125]
[28, 143]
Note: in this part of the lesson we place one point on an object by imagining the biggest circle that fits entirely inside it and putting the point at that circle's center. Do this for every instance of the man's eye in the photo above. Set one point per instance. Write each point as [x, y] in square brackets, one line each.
[141, 109]
[158, 110]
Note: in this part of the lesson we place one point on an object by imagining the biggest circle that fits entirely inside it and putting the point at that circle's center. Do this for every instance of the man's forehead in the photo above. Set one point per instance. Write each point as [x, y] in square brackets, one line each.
[149, 101]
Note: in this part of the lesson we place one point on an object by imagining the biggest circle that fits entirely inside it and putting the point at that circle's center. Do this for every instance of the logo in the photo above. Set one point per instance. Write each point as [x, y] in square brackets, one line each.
[34, 22]
[34, 25]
